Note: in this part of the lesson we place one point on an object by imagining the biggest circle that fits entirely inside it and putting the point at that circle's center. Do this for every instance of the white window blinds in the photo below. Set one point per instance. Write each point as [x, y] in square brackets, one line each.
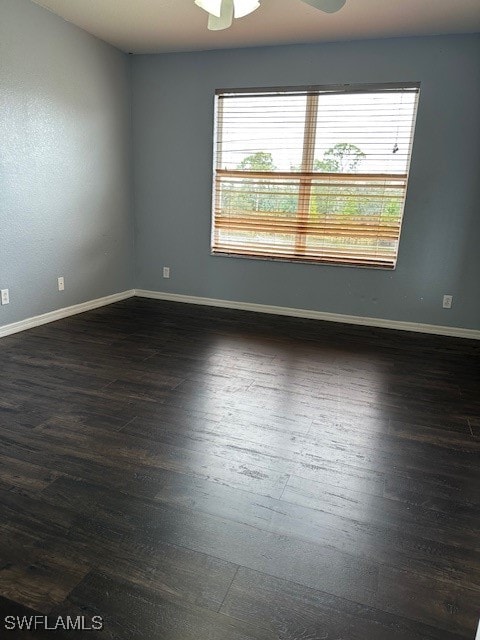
[312, 175]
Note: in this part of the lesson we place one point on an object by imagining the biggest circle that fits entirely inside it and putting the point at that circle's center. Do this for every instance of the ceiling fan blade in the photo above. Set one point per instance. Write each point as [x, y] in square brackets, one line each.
[224, 20]
[214, 7]
[244, 7]
[329, 6]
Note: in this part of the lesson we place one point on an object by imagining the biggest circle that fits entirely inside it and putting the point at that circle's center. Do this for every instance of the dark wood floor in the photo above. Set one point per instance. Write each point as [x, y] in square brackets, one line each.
[201, 474]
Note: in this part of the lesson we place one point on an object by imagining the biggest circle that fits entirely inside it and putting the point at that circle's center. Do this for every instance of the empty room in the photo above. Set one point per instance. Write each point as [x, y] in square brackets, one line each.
[240, 319]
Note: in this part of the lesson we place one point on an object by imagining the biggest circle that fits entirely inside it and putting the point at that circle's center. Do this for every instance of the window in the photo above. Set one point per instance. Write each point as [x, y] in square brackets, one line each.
[312, 175]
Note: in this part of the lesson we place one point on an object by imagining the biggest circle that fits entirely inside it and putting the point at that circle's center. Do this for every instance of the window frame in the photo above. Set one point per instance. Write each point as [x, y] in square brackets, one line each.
[315, 91]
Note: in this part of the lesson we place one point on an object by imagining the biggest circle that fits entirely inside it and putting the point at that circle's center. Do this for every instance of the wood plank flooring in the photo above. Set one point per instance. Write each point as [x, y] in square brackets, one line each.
[189, 473]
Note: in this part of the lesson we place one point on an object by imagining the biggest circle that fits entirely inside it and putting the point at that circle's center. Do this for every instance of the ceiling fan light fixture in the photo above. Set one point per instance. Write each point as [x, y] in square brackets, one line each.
[224, 20]
[244, 7]
[213, 7]
[222, 12]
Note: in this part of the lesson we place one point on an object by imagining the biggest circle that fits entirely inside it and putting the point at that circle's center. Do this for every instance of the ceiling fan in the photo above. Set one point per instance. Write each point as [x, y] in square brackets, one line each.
[222, 12]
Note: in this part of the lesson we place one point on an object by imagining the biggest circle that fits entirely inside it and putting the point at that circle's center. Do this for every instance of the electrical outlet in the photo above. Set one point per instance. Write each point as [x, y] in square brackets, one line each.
[61, 284]
[447, 302]
[166, 272]
[5, 296]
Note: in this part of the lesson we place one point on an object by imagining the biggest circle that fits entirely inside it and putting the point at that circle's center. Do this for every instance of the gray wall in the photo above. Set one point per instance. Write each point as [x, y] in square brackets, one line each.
[65, 154]
[65, 173]
[439, 249]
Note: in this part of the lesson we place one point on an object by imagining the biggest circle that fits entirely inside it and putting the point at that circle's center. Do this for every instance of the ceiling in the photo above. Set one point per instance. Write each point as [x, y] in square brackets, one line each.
[156, 26]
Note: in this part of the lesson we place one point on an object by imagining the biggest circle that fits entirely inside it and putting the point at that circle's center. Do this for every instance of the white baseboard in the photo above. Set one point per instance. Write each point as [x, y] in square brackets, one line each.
[456, 332]
[45, 318]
